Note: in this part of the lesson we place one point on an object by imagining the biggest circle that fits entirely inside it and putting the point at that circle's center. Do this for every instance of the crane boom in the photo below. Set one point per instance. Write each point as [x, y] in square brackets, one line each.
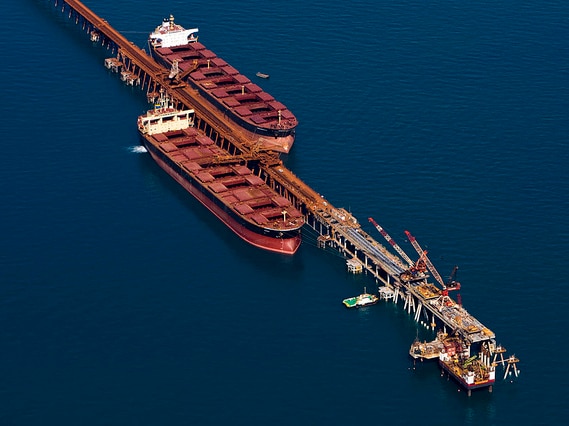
[452, 283]
[393, 243]
[423, 254]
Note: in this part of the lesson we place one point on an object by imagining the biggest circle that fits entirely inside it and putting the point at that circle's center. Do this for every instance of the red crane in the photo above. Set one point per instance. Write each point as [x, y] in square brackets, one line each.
[423, 255]
[393, 243]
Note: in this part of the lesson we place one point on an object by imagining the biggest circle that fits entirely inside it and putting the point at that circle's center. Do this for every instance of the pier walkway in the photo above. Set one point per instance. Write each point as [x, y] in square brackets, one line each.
[336, 227]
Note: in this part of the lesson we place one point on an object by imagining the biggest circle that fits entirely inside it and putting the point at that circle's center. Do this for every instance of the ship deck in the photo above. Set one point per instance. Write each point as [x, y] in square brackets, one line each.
[227, 177]
[228, 87]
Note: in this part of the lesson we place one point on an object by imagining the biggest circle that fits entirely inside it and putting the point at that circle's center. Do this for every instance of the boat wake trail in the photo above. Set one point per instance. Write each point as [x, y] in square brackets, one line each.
[138, 149]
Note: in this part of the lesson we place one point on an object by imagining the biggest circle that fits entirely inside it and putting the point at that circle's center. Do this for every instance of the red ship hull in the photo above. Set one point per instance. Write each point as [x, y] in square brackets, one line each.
[279, 245]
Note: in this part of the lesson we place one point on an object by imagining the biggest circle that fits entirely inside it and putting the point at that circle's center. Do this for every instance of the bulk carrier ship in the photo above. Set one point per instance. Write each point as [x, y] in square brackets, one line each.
[223, 183]
[267, 123]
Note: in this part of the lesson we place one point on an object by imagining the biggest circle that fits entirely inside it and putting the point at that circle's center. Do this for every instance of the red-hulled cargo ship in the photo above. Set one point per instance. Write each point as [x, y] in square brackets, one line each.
[269, 124]
[223, 183]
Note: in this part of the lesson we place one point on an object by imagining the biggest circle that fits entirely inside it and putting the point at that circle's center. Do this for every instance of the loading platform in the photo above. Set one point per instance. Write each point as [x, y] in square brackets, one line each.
[429, 304]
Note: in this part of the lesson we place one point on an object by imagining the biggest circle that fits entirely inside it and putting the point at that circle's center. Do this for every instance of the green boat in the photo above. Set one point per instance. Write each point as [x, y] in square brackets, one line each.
[364, 299]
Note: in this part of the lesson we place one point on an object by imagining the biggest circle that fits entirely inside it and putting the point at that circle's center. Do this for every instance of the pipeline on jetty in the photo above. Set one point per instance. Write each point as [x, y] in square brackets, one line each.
[399, 278]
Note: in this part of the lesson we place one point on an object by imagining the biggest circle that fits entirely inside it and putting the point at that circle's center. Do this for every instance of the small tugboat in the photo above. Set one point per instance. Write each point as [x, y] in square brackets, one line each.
[364, 299]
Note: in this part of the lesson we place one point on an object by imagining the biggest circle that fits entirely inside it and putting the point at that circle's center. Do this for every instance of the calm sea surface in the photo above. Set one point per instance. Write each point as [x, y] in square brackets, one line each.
[124, 302]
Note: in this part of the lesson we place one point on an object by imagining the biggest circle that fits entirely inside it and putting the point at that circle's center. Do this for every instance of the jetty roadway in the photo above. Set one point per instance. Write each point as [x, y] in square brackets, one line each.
[337, 227]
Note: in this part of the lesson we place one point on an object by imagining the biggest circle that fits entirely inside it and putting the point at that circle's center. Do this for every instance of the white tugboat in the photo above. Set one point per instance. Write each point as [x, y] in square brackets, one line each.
[364, 299]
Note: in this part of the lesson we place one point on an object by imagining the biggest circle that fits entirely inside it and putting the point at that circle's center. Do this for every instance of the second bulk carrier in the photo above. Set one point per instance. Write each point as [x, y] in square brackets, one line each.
[268, 123]
[223, 183]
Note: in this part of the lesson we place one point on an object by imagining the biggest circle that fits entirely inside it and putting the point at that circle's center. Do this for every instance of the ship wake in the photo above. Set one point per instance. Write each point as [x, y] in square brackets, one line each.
[138, 149]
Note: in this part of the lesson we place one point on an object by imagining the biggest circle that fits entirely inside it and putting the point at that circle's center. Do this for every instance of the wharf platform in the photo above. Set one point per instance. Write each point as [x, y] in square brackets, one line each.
[336, 227]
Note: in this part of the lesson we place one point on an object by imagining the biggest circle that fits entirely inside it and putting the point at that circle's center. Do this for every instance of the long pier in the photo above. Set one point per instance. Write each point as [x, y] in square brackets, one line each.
[429, 304]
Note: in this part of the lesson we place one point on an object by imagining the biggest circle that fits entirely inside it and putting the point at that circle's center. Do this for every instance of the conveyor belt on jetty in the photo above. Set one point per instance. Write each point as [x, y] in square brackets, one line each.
[336, 227]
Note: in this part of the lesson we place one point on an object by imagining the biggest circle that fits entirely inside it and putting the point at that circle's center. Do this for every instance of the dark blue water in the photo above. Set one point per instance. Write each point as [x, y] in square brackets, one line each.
[122, 301]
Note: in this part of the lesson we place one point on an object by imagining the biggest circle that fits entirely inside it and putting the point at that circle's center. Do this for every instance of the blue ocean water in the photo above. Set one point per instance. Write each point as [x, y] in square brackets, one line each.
[122, 301]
